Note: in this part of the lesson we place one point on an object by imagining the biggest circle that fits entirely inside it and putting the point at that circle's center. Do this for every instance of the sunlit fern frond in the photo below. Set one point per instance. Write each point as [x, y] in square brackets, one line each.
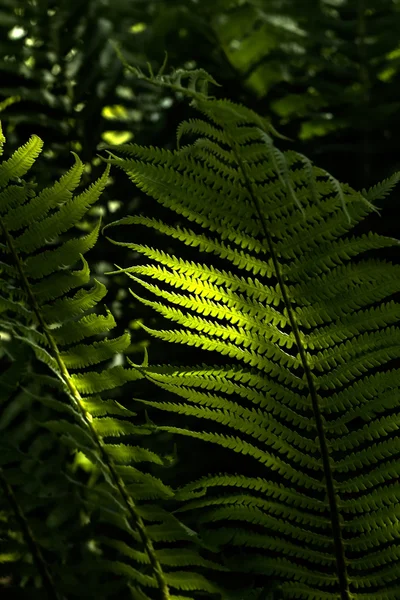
[280, 287]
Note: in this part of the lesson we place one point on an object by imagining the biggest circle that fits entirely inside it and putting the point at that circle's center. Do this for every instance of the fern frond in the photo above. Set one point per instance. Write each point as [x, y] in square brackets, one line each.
[198, 79]
[2, 139]
[30, 483]
[382, 189]
[305, 326]
[9, 383]
[21, 161]
[40, 308]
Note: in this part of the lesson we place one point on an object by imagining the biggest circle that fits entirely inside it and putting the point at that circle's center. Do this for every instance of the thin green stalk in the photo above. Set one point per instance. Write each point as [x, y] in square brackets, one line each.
[87, 418]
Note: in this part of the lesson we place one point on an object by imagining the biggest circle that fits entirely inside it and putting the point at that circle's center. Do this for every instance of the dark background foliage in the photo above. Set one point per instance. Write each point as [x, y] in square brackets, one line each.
[325, 72]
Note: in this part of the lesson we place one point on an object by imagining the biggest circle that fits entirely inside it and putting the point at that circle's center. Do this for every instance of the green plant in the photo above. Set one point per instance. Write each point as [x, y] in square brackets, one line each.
[38, 309]
[308, 388]
[303, 334]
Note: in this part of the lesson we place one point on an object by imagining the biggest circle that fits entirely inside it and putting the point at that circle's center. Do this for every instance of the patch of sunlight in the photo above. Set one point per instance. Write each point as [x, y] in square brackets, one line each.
[283, 22]
[311, 129]
[113, 205]
[77, 146]
[166, 102]
[117, 111]
[393, 54]
[387, 74]
[116, 137]
[137, 28]
[30, 62]
[16, 33]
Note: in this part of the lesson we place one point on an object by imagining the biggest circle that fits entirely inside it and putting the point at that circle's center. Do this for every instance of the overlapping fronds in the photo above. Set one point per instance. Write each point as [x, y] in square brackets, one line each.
[46, 304]
[310, 394]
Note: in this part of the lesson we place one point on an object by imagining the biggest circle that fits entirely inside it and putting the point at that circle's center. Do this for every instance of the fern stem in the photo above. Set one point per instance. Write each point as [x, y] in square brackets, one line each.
[87, 419]
[331, 493]
[48, 581]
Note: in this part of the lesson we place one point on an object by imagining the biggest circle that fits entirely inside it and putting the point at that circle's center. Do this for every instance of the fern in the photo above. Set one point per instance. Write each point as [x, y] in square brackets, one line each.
[45, 305]
[18, 506]
[310, 393]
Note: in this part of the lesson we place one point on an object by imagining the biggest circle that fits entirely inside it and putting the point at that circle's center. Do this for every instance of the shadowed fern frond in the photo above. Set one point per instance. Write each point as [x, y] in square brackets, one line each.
[47, 306]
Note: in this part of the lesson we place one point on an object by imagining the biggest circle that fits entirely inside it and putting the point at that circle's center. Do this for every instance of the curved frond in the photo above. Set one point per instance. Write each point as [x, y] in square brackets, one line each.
[45, 302]
[278, 284]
